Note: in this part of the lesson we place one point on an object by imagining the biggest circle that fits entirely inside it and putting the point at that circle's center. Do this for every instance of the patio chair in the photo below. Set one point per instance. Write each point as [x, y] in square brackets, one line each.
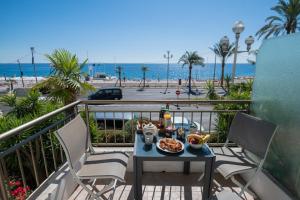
[253, 137]
[85, 164]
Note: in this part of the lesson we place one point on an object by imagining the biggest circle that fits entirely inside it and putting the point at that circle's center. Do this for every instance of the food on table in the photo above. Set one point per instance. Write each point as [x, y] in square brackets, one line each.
[180, 133]
[170, 144]
[197, 139]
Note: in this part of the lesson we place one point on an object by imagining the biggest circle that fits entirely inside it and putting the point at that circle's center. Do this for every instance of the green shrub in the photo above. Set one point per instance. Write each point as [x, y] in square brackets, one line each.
[240, 91]
[211, 92]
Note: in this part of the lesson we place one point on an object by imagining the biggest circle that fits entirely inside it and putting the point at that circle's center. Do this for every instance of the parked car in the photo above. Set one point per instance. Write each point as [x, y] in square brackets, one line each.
[186, 124]
[112, 120]
[107, 94]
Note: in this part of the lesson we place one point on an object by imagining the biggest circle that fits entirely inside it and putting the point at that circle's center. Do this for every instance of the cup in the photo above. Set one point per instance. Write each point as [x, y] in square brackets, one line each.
[148, 137]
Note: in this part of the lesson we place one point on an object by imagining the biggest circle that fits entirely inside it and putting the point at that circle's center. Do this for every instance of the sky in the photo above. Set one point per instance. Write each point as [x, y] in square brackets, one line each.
[124, 31]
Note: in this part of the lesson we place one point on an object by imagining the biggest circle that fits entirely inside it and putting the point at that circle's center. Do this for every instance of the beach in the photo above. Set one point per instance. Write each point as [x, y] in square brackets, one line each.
[30, 82]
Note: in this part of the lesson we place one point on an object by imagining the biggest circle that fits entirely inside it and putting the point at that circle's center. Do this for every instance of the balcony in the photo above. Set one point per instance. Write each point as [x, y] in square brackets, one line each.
[32, 154]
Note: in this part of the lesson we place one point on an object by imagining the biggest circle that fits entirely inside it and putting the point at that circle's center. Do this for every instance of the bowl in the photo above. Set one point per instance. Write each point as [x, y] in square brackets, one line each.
[196, 141]
[196, 146]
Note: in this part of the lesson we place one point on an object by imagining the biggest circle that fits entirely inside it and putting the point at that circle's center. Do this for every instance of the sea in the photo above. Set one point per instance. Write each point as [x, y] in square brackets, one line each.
[133, 71]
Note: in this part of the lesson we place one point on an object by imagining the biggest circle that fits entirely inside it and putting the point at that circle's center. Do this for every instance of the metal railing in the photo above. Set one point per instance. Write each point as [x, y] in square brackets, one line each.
[31, 152]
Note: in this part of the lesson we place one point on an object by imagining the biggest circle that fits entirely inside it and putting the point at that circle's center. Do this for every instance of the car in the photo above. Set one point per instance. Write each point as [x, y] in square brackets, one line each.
[112, 120]
[186, 124]
[107, 94]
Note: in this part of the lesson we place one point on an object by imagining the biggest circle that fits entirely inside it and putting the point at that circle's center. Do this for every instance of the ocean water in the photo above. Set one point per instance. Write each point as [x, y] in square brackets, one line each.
[133, 71]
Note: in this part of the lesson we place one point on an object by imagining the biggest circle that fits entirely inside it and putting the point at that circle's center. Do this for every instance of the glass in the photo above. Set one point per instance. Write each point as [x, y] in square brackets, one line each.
[148, 138]
[276, 98]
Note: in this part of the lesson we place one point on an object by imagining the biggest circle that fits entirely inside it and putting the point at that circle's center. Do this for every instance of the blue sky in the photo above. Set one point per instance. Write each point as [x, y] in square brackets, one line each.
[137, 31]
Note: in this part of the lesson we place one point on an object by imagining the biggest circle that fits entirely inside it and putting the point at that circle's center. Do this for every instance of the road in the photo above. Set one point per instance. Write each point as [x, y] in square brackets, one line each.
[158, 94]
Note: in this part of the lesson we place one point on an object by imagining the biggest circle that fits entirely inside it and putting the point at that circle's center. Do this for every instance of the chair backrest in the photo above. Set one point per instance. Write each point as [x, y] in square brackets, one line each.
[73, 137]
[251, 133]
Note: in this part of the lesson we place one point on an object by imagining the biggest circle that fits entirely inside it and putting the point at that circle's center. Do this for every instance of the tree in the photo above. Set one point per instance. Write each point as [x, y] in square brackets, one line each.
[65, 81]
[119, 72]
[218, 50]
[191, 58]
[144, 70]
[286, 21]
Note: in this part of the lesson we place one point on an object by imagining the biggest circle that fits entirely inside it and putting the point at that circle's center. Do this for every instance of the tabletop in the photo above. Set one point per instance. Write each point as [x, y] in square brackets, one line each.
[152, 152]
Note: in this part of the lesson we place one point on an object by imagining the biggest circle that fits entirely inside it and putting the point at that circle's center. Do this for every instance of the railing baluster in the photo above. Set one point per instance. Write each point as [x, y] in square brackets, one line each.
[105, 132]
[132, 132]
[173, 117]
[5, 174]
[97, 128]
[182, 117]
[2, 186]
[209, 127]
[150, 116]
[201, 120]
[21, 167]
[34, 164]
[61, 154]
[44, 156]
[52, 149]
[115, 134]
[192, 117]
[123, 127]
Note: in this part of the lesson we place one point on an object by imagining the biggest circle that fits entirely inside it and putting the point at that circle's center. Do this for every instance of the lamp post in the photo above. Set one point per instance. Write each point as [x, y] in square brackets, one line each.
[32, 61]
[168, 56]
[238, 28]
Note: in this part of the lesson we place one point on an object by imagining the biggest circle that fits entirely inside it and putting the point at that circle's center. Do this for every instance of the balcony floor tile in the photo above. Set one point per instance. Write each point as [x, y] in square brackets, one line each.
[161, 186]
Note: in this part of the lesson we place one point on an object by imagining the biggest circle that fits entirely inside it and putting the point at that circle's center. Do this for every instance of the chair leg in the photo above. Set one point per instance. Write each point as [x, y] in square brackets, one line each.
[111, 186]
[233, 179]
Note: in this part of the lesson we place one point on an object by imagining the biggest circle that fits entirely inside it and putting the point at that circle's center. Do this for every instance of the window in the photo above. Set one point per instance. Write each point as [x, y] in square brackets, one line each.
[116, 92]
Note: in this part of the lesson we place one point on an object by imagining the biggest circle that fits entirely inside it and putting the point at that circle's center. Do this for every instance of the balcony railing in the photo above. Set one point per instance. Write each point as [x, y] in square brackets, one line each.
[31, 153]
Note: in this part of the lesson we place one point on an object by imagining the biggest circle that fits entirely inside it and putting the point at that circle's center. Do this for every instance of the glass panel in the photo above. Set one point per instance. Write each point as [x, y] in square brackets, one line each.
[276, 98]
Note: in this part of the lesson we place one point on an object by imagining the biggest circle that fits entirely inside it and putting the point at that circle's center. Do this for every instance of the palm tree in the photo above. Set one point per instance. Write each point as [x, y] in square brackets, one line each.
[144, 70]
[191, 58]
[218, 50]
[65, 81]
[286, 21]
[119, 72]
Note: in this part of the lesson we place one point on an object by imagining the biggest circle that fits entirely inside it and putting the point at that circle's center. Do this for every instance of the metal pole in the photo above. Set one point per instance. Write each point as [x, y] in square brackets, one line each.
[168, 56]
[214, 78]
[237, 36]
[32, 61]
[21, 73]
[168, 68]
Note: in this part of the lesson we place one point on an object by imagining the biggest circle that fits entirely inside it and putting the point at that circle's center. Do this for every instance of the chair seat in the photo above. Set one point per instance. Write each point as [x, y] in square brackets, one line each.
[104, 165]
[230, 161]
[227, 195]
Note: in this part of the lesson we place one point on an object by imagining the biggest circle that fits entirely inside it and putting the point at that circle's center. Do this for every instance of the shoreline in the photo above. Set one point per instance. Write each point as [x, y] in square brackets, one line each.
[150, 83]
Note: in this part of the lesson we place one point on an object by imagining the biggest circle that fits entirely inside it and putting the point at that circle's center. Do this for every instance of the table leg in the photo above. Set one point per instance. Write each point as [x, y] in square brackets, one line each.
[186, 167]
[137, 168]
[208, 178]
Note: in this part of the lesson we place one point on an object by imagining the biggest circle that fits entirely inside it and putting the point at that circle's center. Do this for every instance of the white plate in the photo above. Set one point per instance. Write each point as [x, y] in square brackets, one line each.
[165, 150]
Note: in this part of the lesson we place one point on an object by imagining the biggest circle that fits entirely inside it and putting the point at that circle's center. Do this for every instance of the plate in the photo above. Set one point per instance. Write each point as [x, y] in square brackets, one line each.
[166, 150]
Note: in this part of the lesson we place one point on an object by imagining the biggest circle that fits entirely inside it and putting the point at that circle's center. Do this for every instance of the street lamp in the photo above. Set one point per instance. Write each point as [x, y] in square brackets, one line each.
[168, 56]
[32, 61]
[238, 28]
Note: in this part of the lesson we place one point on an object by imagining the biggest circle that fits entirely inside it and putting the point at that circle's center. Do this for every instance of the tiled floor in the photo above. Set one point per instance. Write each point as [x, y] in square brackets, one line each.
[161, 186]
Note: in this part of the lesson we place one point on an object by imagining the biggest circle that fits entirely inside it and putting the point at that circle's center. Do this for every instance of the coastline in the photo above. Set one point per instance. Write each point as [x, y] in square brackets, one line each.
[150, 83]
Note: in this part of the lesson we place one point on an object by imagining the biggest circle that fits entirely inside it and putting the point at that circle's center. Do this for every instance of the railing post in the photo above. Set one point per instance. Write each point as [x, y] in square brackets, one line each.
[2, 186]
